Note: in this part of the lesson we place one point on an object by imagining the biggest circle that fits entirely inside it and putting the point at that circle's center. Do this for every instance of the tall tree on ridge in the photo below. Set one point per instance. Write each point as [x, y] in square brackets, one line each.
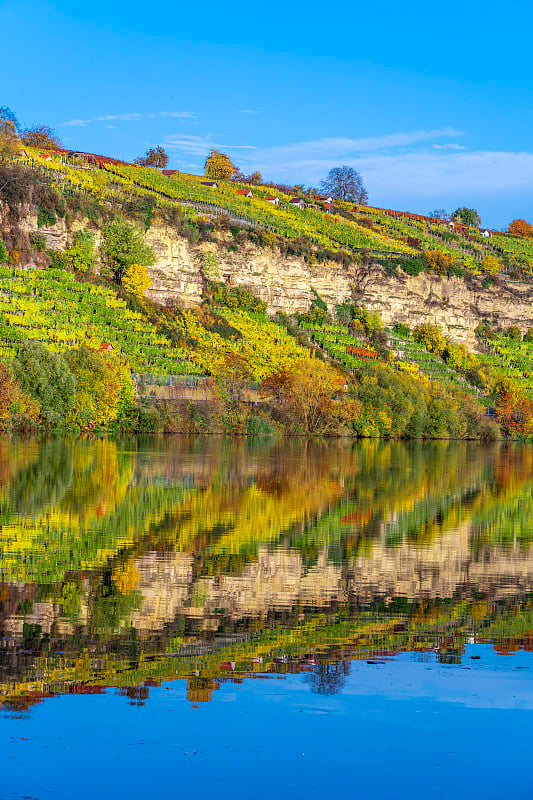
[344, 183]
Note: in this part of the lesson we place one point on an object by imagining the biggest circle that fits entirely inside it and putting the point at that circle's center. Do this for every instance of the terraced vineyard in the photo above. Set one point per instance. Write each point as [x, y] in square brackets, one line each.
[52, 307]
[511, 359]
[415, 357]
[349, 227]
[336, 341]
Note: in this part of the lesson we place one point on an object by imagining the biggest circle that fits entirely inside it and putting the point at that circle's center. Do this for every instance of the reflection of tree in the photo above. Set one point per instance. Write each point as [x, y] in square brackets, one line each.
[328, 678]
[43, 483]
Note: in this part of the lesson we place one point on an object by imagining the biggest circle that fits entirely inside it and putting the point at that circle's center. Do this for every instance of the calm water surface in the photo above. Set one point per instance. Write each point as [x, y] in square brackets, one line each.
[211, 618]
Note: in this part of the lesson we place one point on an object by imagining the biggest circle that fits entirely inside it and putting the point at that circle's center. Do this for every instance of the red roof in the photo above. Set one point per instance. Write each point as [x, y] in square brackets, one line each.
[245, 192]
[169, 172]
[106, 346]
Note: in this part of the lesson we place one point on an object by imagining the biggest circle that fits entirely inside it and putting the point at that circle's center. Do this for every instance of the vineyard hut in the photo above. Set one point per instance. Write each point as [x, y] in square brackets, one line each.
[245, 192]
[486, 233]
[273, 200]
[210, 184]
[297, 202]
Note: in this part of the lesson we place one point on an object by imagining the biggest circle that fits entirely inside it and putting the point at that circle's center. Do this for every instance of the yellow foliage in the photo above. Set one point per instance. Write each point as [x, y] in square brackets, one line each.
[438, 262]
[490, 265]
[136, 280]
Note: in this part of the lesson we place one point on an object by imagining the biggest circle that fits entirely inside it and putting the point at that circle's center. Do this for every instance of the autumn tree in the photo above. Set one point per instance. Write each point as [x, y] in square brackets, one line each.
[41, 136]
[98, 389]
[468, 216]
[520, 228]
[311, 397]
[219, 166]
[136, 280]
[10, 144]
[154, 157]
[344, 183]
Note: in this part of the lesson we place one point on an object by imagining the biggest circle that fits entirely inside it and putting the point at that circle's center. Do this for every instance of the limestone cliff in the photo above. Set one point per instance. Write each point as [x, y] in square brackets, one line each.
[285, 283]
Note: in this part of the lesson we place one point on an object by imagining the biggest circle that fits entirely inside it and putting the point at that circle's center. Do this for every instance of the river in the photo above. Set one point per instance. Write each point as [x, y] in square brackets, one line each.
[232, 618]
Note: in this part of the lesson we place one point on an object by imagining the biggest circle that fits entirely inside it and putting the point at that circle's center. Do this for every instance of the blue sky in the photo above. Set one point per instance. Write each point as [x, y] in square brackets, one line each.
[431, 102]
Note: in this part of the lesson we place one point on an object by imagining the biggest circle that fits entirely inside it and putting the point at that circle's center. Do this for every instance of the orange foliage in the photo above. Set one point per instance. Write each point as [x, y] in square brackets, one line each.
[521, 228]
[515, 414]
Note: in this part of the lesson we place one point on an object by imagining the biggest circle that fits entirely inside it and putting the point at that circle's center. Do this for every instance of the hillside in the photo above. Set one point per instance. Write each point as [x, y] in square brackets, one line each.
[360, 289]
[336, 227]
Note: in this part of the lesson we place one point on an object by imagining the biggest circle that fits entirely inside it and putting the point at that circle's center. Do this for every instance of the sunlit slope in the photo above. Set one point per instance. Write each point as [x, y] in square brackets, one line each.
[52, 307]
[349, 226]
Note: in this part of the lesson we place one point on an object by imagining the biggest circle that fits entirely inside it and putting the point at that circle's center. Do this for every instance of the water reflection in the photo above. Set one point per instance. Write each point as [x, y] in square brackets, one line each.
[125, 564]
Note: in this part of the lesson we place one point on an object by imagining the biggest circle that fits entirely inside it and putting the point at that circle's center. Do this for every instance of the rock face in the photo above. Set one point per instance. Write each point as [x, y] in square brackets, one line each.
[286, 283]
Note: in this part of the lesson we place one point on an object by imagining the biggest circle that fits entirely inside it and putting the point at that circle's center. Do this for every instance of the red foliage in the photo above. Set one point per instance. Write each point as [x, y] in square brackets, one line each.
[362, 352]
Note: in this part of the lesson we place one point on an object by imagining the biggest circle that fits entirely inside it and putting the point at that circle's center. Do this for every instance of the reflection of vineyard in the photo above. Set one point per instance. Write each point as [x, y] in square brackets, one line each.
[126, 565]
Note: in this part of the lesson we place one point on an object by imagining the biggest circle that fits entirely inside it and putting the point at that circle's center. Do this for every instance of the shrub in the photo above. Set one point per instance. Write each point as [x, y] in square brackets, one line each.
[484, 332]
[37, 241]
[430, 337]
[3, 252]
[513, 332]
[81, 256]
[439, 263]
[237, 298]
[490, 265]
[259, 424]
[344, 313]
[136, 280]
[401, 329]
[58, 259]
[45, 216]
[412, 266]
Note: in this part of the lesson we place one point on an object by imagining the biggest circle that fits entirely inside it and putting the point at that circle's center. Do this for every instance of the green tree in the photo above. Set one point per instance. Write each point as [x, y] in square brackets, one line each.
[219, 166]
[81, 256]
[123, 245]
[468, 216]
[46, 377]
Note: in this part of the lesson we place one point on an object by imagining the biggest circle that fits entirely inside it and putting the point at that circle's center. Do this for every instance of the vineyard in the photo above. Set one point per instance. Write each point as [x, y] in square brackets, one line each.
[52, 307]
[349, 227]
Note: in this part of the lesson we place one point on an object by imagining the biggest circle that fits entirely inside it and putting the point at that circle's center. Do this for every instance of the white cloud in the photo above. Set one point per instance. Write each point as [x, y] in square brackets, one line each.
[448, 146]
[133, 117]
[200, 145]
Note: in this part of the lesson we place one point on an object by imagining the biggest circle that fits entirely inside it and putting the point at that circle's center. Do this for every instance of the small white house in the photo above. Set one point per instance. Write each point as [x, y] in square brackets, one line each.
[245, 192]
[486, 234]
[211, 184]
[273, 200]
[297, 202]
[324, 198]
[451, 225]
